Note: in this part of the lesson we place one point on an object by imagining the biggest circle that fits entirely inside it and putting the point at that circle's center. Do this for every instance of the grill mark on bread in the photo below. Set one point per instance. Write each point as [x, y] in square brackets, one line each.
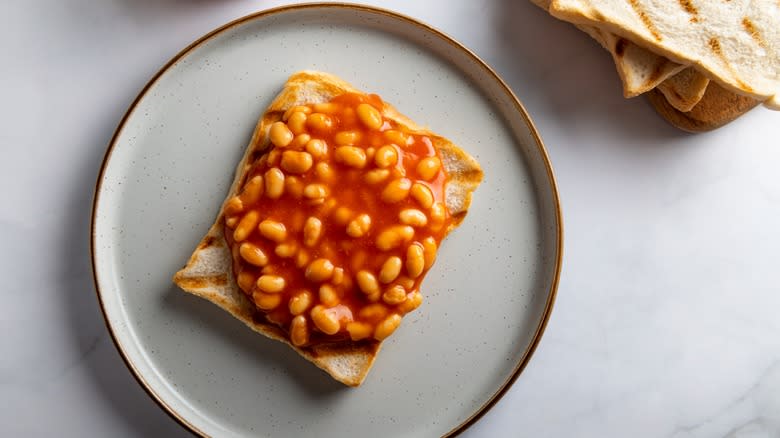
[202, 282]
[645, 19]
[207, 242]
[715, 47]
[657, 72]
[691, 9]
[620, 47]
[751, 30]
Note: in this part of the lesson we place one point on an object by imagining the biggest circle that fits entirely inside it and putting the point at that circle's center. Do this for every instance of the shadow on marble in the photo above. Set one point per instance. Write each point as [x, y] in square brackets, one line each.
[194, 311]
[112, 381]
[576, 77]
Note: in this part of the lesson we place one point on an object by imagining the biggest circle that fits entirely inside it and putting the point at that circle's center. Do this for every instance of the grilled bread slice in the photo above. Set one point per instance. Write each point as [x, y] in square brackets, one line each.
[733, 43]
[685, 89]
[209, 274]
[640, 70]
[716, 108]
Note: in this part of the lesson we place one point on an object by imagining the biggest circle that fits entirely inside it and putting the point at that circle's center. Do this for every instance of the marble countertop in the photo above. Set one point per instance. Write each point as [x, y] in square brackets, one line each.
[666, 323]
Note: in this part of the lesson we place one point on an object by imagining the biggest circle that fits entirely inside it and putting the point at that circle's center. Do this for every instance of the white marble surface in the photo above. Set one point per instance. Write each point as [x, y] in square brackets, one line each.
[666, 321]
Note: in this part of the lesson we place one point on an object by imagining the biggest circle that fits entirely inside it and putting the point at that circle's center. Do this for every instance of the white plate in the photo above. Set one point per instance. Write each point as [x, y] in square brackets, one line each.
[168, 168]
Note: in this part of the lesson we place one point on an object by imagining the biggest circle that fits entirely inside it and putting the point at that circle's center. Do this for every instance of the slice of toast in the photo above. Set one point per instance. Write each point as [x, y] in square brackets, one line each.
[209, 274]
[640, 70]
[716, 108]
[733, 43]
[685, 89]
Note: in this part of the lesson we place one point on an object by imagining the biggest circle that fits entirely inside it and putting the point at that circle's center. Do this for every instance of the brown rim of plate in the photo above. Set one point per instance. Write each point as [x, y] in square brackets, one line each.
[374, 10]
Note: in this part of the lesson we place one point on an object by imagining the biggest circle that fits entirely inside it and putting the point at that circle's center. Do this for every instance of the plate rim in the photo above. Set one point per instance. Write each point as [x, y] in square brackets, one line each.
[518, 106]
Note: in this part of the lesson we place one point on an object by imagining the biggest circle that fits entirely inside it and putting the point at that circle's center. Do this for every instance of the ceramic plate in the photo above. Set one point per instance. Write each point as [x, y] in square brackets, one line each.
[169, 166]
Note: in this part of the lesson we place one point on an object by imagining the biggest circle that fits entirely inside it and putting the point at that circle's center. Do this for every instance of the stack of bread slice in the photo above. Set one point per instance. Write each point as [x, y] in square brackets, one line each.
[701, 63]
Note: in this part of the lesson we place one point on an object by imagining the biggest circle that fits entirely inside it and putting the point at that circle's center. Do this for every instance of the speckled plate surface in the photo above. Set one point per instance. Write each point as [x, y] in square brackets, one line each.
[169, 166]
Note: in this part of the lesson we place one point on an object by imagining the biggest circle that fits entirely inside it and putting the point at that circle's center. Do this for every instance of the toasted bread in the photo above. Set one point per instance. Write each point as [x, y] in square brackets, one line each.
[716, 108]
[209, 274]
[640, 70]
[733, 43]
[685, 89]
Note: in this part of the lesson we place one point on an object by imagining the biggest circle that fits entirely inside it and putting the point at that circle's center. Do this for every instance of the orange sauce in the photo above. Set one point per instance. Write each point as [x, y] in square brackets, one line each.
[348, 195]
